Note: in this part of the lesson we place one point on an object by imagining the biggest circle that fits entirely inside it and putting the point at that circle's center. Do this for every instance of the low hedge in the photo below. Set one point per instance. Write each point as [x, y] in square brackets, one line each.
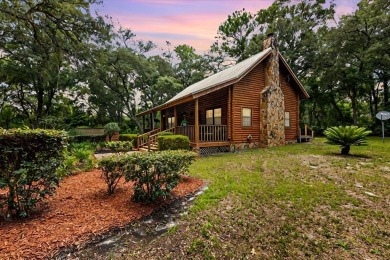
[173, 142]
[154, 174]
[118, 146]
[29, 160]
[87, 138]
[129, 137]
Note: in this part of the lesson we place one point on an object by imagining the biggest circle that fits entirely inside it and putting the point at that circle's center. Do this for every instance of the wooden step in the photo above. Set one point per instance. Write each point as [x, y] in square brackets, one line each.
[145, 148]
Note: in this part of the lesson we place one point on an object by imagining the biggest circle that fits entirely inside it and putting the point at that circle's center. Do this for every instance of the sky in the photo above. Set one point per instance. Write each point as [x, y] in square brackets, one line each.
[192, 22]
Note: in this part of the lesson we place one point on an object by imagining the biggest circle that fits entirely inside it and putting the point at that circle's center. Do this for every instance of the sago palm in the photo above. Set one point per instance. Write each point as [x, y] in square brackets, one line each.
[345, 136]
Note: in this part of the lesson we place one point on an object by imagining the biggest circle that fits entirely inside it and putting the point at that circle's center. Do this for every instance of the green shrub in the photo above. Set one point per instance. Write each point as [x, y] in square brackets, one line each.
[81, 156]
[129, 138]
[110, 129]
[118, 147]
[165, 133]
[87, 138]
[29, 161]
[156, 174]
[345, 136]
[173, 142]
[113, 169]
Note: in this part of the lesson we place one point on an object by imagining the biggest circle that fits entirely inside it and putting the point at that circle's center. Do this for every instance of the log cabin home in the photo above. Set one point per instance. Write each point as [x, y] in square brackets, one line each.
[254, 103]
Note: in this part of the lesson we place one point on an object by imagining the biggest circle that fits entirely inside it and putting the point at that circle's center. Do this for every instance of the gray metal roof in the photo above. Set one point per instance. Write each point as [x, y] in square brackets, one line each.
[232, 73]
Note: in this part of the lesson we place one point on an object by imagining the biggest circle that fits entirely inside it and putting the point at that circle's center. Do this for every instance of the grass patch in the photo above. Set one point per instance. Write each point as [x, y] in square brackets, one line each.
[296, 201]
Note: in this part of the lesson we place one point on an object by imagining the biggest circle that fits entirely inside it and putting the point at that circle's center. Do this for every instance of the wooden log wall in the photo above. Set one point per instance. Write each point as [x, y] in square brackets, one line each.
[246, 93]
[291, 104]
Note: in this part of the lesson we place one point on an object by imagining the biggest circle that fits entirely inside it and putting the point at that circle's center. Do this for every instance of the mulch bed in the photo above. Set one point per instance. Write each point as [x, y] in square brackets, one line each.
[79, 212]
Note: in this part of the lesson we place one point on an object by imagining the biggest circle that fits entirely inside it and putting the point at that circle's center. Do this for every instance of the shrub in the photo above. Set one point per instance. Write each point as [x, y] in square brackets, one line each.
[87, 138]
[110, 129]
[118, 147]
[113, 169]
[29, 160]
[80, 157]
[165, 133]
[173, 142]
[156, 174]
[129, 138]
[345, 136]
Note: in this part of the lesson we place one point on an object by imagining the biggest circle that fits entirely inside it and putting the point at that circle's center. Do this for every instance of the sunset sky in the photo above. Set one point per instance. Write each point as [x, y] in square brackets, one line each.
[192, 22]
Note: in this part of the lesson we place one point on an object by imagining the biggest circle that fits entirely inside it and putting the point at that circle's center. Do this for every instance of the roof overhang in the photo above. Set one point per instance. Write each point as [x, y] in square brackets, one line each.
[302, 90]
[197, 94]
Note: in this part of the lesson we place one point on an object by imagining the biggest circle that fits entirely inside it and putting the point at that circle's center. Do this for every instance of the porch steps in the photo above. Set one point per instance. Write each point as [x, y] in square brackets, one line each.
[153, 148]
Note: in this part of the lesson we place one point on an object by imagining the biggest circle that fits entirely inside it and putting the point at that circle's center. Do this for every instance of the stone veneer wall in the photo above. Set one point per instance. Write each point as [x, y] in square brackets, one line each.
[272, 101]
[272, 116]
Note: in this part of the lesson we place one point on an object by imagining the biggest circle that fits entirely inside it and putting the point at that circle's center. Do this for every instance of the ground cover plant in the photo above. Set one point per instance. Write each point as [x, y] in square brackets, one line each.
[296, 201]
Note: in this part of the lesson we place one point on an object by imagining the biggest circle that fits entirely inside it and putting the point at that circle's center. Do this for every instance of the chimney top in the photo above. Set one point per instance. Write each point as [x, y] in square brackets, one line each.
[270, 41]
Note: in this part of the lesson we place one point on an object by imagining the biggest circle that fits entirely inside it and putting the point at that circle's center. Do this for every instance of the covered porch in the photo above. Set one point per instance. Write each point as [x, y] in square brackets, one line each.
[204, 119]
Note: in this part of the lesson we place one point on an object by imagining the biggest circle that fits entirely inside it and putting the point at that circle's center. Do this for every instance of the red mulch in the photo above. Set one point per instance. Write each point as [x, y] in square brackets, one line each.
[80, 211]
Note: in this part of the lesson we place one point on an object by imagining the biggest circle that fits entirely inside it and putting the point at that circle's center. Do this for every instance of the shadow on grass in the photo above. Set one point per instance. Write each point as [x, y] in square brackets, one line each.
[358, 156]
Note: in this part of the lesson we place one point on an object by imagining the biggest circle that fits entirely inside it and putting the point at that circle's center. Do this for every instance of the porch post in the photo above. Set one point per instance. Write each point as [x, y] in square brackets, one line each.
[151, 121]
[197, 122]
[229, 116]
[162, 112]
[175, 116]
[143, 122]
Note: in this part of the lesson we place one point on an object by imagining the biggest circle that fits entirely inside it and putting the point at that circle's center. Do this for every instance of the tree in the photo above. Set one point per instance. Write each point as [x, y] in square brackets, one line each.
[190, 67]
[234, 35]
[110, 129]
[121, 71]
[40, 39]
[345, 136]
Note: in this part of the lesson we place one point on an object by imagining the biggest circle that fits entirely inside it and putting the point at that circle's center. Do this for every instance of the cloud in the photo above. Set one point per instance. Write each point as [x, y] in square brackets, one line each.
[194, 22]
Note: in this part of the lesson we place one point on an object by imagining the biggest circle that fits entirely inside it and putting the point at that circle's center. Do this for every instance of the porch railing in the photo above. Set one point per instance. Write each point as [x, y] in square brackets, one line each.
[143, 139]
[213, 133]
[150, 138]
[187, 131]
[207, 133]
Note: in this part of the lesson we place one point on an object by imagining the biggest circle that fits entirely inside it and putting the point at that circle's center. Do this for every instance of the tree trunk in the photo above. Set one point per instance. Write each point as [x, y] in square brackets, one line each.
[354, 106]
[386, 100]
[345, 150]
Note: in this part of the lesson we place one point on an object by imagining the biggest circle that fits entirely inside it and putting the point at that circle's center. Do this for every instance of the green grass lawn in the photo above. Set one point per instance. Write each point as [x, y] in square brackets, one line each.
[295, 201]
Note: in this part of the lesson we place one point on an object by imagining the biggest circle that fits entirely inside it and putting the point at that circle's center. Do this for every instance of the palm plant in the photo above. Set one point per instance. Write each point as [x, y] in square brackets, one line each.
[345, 136]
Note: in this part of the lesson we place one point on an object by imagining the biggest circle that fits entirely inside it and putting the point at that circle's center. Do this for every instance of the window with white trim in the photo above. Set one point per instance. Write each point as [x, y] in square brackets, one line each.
[246, 116]
[286, 119]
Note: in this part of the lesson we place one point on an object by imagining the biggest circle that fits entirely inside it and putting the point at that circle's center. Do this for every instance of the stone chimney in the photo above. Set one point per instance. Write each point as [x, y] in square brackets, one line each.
[269, 42]
[272, 99]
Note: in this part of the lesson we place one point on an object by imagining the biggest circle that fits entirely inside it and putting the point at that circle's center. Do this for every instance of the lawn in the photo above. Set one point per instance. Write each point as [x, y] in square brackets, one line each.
[296, 201]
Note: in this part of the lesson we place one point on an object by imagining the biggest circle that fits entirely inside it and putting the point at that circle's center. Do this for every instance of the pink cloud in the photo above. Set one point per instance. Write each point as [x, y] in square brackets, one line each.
[193, 22]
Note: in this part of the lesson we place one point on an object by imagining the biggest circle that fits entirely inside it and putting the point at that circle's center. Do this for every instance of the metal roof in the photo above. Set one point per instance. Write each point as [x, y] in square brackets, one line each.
[227, 76]
[232, 73]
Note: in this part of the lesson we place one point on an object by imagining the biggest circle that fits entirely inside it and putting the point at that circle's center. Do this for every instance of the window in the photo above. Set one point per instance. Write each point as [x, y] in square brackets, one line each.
[214, 116]
[246, 116]
[171, 122]
[286, 119]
